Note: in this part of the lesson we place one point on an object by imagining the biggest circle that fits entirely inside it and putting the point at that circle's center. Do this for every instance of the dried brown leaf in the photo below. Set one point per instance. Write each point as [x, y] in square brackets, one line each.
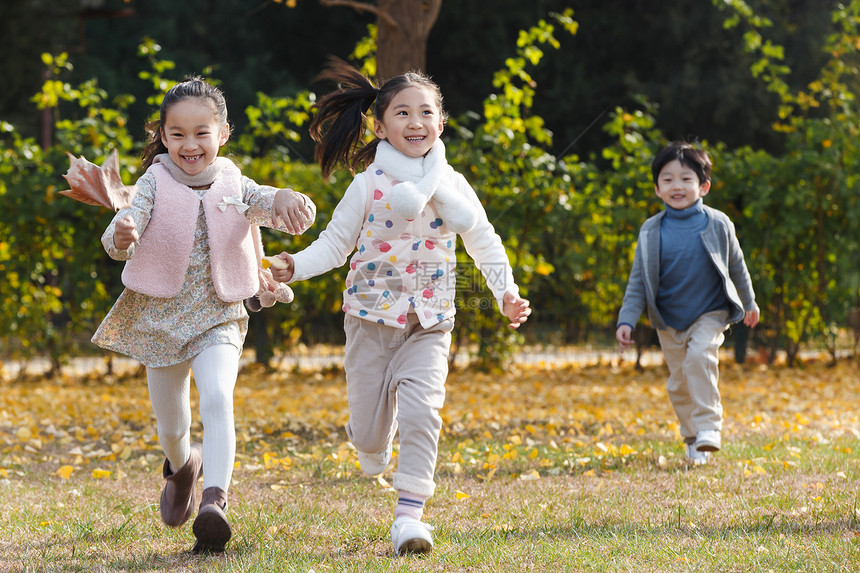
[96, 185]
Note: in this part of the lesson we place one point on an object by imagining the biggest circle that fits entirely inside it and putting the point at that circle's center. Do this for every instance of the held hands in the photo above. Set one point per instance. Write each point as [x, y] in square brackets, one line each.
[291, 209]
[125, 233]
[516, 308]
[282, 272]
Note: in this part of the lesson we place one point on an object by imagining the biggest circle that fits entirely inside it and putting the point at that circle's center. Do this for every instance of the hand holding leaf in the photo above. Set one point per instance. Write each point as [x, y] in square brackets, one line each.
[281, 267]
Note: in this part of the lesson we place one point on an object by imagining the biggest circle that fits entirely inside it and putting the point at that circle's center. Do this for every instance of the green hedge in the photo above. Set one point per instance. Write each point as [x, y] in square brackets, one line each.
[569, 223]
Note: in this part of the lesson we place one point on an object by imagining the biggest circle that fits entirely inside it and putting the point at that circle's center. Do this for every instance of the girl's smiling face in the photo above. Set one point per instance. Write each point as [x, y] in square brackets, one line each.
[192, 135]
[412, 122]
[679, 187]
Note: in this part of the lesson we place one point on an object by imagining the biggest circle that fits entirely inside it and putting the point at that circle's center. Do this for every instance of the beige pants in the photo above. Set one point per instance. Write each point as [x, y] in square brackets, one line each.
[395, 378]
[692, 356]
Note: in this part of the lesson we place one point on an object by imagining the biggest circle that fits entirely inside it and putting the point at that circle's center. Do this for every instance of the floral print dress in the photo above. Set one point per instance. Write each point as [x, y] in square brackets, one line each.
[161, 332]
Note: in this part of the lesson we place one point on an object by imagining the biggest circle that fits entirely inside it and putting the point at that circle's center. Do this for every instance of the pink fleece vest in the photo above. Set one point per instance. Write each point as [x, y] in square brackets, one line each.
[161, 259]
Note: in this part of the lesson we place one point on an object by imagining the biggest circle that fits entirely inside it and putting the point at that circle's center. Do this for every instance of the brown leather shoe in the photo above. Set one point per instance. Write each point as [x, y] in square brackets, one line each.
[178, 495]
[210, 527]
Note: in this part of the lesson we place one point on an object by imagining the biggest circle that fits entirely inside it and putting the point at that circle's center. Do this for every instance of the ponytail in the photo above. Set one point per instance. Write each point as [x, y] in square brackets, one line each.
[154, 145]
[339, 125]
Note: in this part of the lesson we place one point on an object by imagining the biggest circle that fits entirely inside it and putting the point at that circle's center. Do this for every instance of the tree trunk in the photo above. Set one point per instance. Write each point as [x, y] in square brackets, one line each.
[262, 342]
[742, 335]
[403, 27]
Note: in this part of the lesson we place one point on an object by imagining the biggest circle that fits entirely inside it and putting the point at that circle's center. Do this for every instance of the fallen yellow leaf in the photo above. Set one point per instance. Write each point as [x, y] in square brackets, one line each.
[626, 450]
[381, 481]
[530, 476]
[65, 471]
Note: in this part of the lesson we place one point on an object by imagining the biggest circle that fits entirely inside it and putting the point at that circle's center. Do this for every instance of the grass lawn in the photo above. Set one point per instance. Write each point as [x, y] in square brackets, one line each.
[540, 469]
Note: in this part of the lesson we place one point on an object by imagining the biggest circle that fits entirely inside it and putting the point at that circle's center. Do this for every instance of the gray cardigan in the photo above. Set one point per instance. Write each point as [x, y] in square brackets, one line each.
[725, 253]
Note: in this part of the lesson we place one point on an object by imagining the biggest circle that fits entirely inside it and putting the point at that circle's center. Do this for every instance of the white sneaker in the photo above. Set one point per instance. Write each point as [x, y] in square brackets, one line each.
[696, 457]
[375, 464]
[411, 536]
[708, 441]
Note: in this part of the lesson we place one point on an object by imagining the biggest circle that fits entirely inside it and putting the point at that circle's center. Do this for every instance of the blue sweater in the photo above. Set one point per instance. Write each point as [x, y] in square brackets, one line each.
[690, 285]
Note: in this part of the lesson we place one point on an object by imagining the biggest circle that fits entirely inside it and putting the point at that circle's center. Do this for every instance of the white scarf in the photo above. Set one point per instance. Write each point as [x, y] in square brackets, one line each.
[420, 179]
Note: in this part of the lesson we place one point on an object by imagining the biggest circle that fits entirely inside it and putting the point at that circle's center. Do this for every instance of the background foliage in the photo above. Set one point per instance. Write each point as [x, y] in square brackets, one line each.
[558, 145]
[683, 60]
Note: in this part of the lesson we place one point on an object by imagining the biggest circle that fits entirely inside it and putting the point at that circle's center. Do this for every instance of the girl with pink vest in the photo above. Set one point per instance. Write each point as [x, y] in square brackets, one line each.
[190, 242]
[401, 216]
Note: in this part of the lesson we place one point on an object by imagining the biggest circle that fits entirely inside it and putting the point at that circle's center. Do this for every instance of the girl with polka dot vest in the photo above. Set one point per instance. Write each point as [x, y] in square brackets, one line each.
[400, 217]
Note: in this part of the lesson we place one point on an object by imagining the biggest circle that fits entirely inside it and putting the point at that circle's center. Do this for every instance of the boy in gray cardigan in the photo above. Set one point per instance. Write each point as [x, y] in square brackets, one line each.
[690, 275]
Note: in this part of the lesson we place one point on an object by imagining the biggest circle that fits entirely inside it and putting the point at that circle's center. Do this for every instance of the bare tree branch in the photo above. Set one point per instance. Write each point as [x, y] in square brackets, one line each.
[362, 7]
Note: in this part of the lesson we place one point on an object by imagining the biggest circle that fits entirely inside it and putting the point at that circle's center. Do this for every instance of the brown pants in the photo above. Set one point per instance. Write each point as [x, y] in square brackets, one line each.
[692, 356]
[395, 378]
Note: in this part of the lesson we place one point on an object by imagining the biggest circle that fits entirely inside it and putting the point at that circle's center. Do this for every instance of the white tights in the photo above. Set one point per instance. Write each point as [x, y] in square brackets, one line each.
[215, 371]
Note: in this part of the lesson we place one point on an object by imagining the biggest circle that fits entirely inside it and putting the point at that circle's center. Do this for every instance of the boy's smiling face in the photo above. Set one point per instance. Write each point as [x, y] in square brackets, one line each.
[679, 187]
